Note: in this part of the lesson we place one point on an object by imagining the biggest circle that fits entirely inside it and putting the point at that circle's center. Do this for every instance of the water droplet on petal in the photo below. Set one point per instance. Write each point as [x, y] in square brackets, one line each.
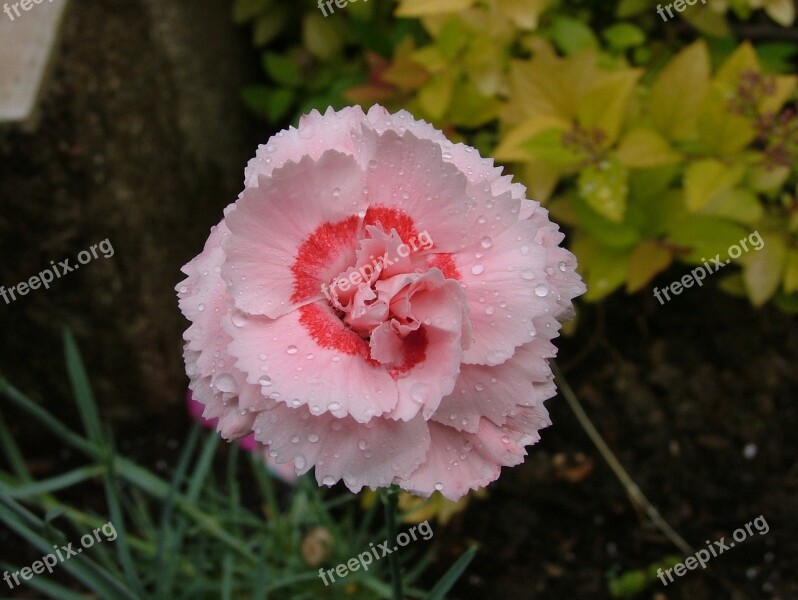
[419, 392]
[300, 462]
[528, 275]
[439, 486]
[541, 290]
[562, 266]
[329, 480]
[291, 349]
[489, 310]
[265, 380]
[201, 307]
[478, 269]
[313, 438]
[487, 242]
[362, 444]
[295, 439]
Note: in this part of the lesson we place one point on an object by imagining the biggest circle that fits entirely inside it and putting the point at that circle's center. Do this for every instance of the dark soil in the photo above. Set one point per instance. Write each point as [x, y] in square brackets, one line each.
[143, 141]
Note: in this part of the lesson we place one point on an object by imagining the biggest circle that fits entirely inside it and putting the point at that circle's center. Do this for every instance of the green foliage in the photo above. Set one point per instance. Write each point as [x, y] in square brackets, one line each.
[198, 534]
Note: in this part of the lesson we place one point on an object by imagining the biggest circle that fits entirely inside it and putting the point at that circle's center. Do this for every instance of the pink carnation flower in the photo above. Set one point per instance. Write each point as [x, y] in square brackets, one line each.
[379, 304]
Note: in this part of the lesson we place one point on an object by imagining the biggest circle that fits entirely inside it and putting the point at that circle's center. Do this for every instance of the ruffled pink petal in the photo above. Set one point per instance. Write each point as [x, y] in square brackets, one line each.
[316, 134]
[496, 393]
[412, 190]
[459, 461]
[309, 358]
[504, 276]
[374, 454]
[293, 233]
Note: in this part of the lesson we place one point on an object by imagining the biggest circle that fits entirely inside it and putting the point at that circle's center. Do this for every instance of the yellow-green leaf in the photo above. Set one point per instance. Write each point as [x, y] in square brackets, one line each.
[604, 106]
[721, 132]
[743, 59]
[762, 269]
[524, 13]
[781, 11]
[706, 179]
[419, 8]
[512, 148]
[674, 98]
[605, 187]
[640, 148]
[646, 261]
[436, 95]
[321, 37]
[737, 205]
[791, 272]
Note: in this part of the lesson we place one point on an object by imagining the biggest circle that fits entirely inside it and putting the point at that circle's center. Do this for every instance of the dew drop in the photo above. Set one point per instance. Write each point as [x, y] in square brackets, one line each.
[478, 269]
[313, 438]
[299, 462]
[291, 349]
[419, 392]
[238, 318]
[562, 266]
[528, 275]
[329, 480]
[439, 486]
[482, 220]
[263, 356]
[487, 242]
[542, 290]
[226, 383]
[201, 307]
[295, 439]
[489, 310]
[362, 444]
[265, 380]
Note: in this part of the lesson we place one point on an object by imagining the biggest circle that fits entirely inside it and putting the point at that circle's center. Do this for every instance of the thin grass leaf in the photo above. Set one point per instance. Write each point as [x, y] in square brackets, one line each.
[100, 581]
[447, 582]
[82, 389]
[164, 587]
[112, 488]
[228, 566]
[12, 452]
[53, 484]
[42, 584]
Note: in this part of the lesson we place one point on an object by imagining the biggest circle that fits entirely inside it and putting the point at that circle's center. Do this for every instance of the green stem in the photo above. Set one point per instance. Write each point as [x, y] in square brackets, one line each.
[391, 499]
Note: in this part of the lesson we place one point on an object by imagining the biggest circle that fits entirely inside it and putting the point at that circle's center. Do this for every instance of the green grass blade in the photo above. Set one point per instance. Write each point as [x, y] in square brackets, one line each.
[53, 484]
[100, 581]
[112, 488]
[12, 452]
[164, 588]
[82, 389]
[452, 575]
[46, 586]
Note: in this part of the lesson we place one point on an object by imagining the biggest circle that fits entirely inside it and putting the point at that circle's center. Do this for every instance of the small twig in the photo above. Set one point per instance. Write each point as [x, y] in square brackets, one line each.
[636, 496]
